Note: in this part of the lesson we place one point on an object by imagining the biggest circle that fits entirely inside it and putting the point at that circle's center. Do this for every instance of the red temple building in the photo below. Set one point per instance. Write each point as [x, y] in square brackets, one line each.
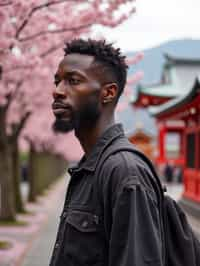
[171, 84]
[184, 110]
[175, 104]
[177, 78]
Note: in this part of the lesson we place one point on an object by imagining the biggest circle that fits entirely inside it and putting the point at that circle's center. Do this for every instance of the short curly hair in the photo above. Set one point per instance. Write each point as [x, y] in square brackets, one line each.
[106, 55]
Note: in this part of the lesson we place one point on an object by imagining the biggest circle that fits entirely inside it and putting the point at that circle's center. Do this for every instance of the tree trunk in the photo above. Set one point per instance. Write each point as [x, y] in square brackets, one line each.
[31, 174]
[7, 206]
[16, 177]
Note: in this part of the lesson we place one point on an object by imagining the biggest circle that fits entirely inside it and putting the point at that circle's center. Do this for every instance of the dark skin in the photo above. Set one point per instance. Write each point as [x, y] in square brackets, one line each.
[81, 85]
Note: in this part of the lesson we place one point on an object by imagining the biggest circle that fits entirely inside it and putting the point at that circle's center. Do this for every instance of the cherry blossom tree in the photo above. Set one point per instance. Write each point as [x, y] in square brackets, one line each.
[32, 32]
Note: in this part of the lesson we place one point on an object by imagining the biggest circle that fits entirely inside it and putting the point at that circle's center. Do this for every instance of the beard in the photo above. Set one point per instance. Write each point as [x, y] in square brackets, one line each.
[86, 117]
[62, 126]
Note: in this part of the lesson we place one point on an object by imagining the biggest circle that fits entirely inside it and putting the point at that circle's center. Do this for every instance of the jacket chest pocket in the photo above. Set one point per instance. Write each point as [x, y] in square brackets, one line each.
[83, 243]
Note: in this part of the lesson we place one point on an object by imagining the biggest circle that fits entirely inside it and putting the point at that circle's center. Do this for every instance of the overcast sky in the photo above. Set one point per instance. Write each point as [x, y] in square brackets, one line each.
[156, 21]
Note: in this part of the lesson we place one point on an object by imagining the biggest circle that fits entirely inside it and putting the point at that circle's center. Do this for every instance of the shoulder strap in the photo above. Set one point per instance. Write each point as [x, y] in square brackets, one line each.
[121, 145]
[126, 146]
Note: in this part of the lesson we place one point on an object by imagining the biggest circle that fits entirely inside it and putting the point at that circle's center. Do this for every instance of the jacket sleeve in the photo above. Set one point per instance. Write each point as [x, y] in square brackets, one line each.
[135, 238]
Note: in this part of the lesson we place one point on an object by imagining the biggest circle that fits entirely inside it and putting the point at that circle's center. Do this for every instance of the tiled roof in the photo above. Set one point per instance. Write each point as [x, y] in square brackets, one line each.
[178, 101]
[170, 89]
[172, 86]
[181, 60]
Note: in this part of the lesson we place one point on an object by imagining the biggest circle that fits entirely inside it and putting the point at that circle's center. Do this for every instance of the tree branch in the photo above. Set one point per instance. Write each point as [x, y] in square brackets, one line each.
[11, 96]
[6, 3]
[1, 71]
[16, 128]
[30, 37]
[30, 14]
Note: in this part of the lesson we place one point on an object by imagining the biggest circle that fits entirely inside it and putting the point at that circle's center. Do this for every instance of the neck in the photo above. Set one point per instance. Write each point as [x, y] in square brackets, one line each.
[89, 136]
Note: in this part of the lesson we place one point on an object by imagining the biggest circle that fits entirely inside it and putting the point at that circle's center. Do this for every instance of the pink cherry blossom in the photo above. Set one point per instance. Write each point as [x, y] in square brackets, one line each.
[33, 34]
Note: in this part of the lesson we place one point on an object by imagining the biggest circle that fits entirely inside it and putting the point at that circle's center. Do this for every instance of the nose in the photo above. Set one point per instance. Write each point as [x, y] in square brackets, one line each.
[59, 91]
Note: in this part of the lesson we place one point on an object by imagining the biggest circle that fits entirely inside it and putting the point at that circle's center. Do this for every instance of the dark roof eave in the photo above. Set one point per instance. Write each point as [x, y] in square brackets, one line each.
[177, 102]
[181, 60]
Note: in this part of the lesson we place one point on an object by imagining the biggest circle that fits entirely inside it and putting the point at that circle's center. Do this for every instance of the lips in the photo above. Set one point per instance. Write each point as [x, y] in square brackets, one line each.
[57, 105]
[60, 109]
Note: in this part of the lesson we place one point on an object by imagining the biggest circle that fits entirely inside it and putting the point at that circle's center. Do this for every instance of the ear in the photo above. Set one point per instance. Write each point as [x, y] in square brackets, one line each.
[109, 93]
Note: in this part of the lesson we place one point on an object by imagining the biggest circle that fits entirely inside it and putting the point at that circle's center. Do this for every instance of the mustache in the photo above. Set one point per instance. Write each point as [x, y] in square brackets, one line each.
[57, 104]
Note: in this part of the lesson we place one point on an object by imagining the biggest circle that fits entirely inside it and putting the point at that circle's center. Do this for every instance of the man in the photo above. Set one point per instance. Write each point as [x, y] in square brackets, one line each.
[168, 172]
[111, 215]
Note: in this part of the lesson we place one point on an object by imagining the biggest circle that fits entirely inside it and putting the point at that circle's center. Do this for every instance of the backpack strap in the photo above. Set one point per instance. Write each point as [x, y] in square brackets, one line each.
[120, 146]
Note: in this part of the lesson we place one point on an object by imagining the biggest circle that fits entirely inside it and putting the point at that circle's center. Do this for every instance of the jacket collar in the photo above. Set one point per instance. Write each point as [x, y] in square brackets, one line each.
[90, 164]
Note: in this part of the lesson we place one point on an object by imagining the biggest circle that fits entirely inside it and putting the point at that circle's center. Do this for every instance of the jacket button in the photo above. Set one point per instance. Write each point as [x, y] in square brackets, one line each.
[96, 219]
[56, 245]
[85, 224]
[70, 171]
[64, 214]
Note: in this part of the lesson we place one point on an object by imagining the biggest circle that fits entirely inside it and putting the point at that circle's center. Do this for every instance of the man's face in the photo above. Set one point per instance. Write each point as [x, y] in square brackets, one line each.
[77, 94]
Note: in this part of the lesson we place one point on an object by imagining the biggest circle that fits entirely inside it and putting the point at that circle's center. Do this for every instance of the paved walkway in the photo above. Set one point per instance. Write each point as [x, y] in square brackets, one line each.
[35, 240]
[40, 249]
[43, 244]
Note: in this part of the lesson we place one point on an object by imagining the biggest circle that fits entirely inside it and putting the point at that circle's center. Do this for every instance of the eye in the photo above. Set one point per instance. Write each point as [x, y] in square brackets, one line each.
[74, 81]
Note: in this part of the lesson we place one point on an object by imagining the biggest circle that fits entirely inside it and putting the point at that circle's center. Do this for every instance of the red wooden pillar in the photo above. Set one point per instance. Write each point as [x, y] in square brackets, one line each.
[191, 180]
[182, 144]
[184, 167]
[161, 143]
[198, 164]
[188, 172]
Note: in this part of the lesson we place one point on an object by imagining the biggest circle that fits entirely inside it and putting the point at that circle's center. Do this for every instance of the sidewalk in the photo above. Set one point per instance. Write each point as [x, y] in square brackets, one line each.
[32, 244]
[35, 244]
[42, 247]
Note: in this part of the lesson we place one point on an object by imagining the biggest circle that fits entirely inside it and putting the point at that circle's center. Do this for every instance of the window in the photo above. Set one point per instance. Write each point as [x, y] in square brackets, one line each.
[190, 150]
[172, 145]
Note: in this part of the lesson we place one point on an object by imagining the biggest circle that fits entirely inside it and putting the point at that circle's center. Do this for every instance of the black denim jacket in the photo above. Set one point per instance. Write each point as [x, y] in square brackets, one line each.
[118, 227]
